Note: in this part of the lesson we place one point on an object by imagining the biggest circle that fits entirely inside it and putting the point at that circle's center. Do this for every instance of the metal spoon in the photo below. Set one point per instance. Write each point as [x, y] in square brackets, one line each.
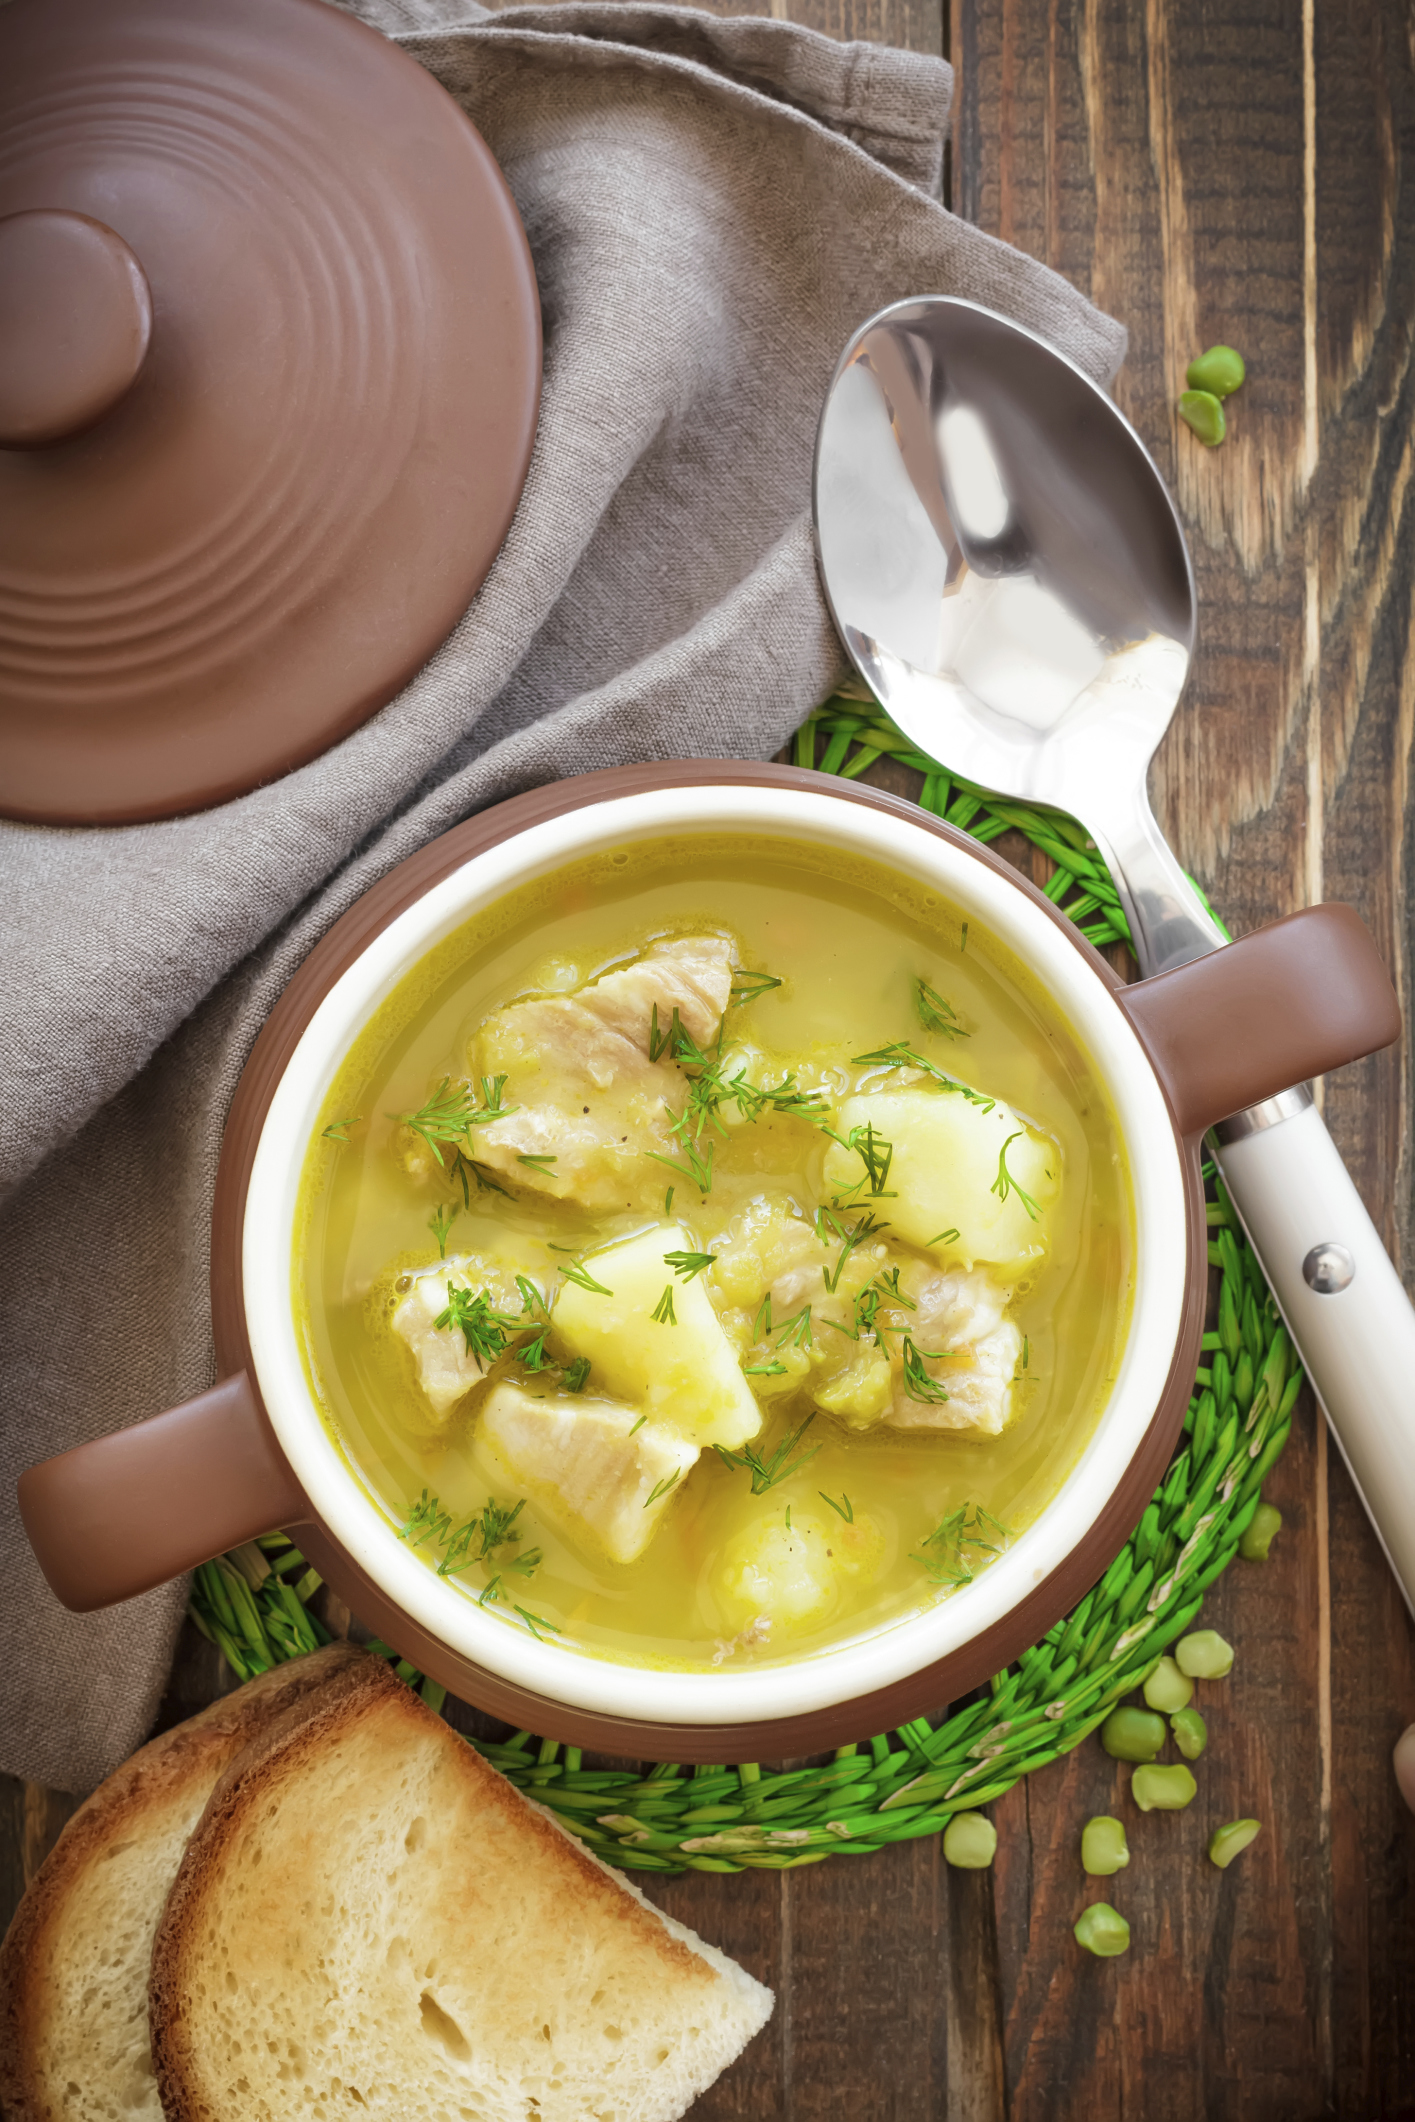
[1010, 579]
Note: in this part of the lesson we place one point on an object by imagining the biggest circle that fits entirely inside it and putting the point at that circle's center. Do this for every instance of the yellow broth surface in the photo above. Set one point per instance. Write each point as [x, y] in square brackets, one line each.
[753, 1553]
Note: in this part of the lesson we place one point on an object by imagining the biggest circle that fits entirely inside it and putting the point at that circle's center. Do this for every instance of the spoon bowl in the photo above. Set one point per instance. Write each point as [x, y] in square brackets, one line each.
[1009, 576]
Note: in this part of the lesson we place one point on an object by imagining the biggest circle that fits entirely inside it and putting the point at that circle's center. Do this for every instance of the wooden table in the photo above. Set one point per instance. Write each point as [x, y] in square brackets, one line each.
[1241, 170]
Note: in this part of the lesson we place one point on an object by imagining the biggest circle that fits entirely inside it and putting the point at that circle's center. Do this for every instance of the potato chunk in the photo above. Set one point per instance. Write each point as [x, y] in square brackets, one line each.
[792, 1576]
[685, 1375]
[945, 1175]
[584, 1462]
[448, 1364]
[589, 1099]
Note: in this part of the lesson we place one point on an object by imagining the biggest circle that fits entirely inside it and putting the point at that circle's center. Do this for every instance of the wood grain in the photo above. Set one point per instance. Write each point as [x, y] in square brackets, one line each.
[1240, 170]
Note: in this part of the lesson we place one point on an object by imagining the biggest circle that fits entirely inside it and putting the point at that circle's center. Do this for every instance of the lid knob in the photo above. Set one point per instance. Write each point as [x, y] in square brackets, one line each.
[75, 320]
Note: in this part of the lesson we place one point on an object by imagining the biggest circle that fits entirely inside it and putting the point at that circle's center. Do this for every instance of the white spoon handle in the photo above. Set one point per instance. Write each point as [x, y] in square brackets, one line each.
[1343, 1303]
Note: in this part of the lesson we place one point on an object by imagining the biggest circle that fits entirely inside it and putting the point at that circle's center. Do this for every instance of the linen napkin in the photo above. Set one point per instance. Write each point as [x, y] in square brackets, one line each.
[713, 207]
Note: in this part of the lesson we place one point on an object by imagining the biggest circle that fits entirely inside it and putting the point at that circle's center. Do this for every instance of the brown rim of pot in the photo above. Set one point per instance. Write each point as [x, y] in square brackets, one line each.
[884, 1708]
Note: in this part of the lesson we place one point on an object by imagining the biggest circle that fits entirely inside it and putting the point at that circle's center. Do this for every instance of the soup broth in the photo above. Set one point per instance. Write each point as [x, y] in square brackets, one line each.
[712, 1252]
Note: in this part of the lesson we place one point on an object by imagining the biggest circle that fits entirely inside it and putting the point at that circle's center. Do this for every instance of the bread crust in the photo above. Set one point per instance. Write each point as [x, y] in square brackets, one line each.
[299, 1742]
[148, 1784]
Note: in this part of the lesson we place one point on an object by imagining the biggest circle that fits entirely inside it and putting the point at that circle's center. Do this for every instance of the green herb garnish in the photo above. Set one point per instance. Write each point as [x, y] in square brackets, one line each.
[687, 1265]
[580, 1275]
[946, 1558]
[449, 1113]
[540, 1161]
[843, 1509]
[944, 1237]
[638, 1425]
[747, 986]
[874, 1153]
[576, 1374]
[917, 1382]
[338, 1130]
[475, 1319]
[661, 1488]
[698, 1168]
[850, 1235]
[536, 1622]
[1004, 1184]
[901, 1055]
[935, 1014]
[440, 1223]
[766, 1473]
[663, 1311]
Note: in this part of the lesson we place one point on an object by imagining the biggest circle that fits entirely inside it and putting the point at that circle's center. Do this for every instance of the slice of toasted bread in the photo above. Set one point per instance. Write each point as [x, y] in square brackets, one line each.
[74, 1964]
[369, 1920]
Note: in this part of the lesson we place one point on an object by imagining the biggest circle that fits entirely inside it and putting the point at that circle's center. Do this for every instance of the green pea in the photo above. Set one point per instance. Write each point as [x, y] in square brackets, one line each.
[1201, 411]
[1260, 1532]
[1219, 371]
[1102, 1931]
[1165, 1790]
[1166, 1688]
[970, 1841]
[1229, 1841]
[1204, 1655]
[1132, 1734]
[1104, 1848]
[1191, 1734]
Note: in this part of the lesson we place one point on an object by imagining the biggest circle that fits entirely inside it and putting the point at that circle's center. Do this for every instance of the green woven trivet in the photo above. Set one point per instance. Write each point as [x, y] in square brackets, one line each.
[253, 1604]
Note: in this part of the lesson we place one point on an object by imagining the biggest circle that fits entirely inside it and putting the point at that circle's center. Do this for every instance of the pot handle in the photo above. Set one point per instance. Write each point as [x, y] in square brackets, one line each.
[112, 1518]
[1292, 1000]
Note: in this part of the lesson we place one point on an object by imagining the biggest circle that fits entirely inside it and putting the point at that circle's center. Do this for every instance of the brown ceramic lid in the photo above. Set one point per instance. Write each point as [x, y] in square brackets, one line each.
[269, 375]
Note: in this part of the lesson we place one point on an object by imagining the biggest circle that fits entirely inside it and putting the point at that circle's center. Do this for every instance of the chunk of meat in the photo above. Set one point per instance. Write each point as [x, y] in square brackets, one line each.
[962, 1313]
[449, 1363]
[849, 1357]
[592, 1465]
[682, 1373]
[589, 1099]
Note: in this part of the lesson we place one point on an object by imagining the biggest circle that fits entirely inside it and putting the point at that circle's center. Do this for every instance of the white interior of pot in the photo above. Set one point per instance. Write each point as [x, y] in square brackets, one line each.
[887, 1654]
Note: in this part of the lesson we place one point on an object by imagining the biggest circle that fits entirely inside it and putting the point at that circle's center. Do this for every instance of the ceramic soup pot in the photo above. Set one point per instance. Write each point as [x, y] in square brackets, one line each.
[1175, 1053]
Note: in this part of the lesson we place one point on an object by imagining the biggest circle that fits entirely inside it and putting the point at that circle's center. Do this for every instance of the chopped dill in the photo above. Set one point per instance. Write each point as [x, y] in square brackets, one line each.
[661, 1488]
[487, 1530]
[883, 1290]
[472, 1316]
[687, 1265]
[963, 945]
[873, 1152]
[747, 986]
[796, 1333]
[638, 1425]
[788, 1517]
[536, 1622]
[338, 1130]
[945, 1557]
[770, 1369]
[935, 1014]
[850, 1236]
[899, 1054]
[766, 1473]
[668, 1201]
[540, 1161]
[440, 1223]
[1004, 1184]
[698, 1168]
[663, 1311]
[661, 1043]
[945, 1237]
[843, 1509]
[579, 1274]
[449, 1114]
[576, 1374]
[917, 1382]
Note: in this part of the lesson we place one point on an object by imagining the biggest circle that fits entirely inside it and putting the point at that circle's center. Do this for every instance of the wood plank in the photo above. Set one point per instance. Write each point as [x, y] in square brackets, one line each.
[1224, 174]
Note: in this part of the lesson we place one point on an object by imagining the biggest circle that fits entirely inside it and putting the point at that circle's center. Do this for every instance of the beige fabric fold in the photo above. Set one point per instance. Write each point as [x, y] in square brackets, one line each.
[713, 207]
